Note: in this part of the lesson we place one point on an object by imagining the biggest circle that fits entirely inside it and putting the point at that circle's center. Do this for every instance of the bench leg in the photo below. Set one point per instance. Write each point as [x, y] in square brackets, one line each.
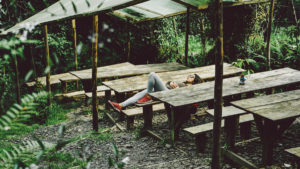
[130, 122]
[211, 104]
[245, 130]
[148, 115]
[231, 124]
[200, 141]
[107, 97]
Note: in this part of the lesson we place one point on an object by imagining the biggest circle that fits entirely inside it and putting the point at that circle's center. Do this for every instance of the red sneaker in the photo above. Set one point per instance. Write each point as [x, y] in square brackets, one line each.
[145, 99]
[115, 106]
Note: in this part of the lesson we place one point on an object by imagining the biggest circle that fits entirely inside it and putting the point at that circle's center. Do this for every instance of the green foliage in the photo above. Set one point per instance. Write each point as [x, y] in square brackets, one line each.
[20, 112]
[114, 161]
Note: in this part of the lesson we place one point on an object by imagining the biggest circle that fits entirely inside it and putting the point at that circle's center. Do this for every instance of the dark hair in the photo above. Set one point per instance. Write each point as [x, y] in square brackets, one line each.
[197, 79]
[168, 85]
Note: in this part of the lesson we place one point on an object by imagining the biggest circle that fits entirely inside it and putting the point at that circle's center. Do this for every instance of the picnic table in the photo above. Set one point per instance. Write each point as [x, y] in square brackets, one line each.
[54, 79]
[273, 114]
[123, 70]
[204, 92]
[137, 83]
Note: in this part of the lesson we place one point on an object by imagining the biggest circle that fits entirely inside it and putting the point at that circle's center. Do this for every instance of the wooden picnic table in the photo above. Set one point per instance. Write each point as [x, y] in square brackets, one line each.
[123, 71]
[137, 83]
[54, 79]
[273, 114]
[204, 92]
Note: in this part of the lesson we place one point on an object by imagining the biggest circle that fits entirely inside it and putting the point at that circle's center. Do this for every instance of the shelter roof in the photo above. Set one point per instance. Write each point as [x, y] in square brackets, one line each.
[136, 10]
[67, 9]
[156, 9]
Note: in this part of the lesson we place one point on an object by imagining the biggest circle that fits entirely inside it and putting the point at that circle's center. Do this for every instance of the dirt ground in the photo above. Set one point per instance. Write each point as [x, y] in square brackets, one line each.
[148, 152]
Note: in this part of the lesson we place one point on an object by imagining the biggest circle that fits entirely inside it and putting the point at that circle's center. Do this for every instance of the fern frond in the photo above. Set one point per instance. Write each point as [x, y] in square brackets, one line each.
[23, 110]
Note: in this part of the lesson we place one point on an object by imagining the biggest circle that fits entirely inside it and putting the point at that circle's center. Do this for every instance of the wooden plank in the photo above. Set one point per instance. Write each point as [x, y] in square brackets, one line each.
[209, 126]
[228, 111]
[139, 110]
[204, 92]
[238, 159]
[129, 70]
[279, 111]
[268, 99]
[294, 151]
[54, 79]
[140, 82]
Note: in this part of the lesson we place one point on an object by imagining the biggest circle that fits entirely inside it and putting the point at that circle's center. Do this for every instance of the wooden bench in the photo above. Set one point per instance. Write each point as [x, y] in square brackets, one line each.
[296, 153]
[200, 131]
[102, 91]
[54, 79]
[131, 113]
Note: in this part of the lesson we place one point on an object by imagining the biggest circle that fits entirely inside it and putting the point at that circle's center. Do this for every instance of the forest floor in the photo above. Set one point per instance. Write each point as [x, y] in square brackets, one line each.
[148, 152]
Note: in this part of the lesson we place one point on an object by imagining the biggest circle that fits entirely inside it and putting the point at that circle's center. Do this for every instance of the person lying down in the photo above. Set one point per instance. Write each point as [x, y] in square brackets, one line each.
[155, 84]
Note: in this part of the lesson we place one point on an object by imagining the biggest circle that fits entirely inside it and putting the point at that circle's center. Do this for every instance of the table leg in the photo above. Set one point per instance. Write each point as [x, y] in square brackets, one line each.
[120, 97]
[283, 126]
[148, 115]
[269, 137]
[107, 97]
[231, 125]
[87, 85]
[64, 86]
[259, 125]
[172, 125]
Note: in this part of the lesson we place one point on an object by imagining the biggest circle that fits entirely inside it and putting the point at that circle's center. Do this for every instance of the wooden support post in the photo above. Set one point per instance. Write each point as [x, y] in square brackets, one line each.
[231, 125]
[107, 97]
[200, 141]
[270, 131]
[48, 86]
[120, 98]
[18, 92]
[64, 86]
[130, 122]
[75, 46]
[128, 40]
[187, 32]
[172, 125]
[245, 130]
[148, 115]
[268, 50]
[216, 155]
[94, 72]
[33, 65]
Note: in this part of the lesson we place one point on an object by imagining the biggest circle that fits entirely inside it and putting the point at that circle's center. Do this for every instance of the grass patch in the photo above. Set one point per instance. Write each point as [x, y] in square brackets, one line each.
[59, 160]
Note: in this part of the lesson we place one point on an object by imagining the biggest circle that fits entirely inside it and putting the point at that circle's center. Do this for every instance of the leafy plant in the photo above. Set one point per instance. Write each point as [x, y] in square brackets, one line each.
[115, 160]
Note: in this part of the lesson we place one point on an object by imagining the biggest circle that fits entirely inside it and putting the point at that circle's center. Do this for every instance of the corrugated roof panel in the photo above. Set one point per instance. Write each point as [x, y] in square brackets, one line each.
[64, 9]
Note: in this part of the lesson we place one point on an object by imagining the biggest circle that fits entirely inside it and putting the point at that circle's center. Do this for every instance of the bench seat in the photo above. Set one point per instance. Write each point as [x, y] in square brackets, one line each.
[200, 130]
[296, 153]
[131, 113]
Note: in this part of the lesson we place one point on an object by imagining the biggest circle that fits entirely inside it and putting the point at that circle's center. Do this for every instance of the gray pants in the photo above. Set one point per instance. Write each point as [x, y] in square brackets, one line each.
[155, 84]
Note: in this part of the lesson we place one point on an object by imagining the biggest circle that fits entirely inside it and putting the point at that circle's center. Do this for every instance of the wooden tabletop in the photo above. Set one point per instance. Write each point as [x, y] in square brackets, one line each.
[122, 70]
[54, 79]
[140, 82]
[274, 107]
[205, 91]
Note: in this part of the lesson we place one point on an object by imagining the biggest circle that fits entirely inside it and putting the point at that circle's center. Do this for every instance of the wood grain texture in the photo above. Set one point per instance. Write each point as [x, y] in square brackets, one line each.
[128, 70]
[205, 91]
[228, 111]
[140, 82]
[294, 151]
[274, 107]
[54, 79]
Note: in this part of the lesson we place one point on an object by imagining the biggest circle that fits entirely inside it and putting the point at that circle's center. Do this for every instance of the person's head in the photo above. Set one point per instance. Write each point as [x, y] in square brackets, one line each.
[194, 79]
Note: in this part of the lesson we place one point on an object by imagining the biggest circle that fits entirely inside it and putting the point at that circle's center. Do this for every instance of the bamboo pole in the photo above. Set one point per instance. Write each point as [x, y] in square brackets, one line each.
[268, 50]
[216, 155]
[18, 92]
[33, 65]
[128, 40]
[75, 46]
[294, 12]
[187, 31]
[176, 35]
[48, 86]
[94, 72]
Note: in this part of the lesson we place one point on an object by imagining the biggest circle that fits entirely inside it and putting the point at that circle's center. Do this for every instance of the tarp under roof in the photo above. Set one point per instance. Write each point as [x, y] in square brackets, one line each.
[66, 9]
[156, 9]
